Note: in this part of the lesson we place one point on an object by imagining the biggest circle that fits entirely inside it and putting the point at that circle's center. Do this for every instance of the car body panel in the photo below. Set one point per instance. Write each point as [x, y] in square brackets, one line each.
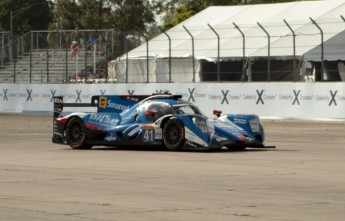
[125, 120]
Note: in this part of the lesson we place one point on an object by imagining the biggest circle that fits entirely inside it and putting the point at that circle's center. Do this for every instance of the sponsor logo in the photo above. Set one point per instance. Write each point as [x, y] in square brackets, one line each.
[193, 95]
[240, 121]
[227, 97]
[102, 102]
[117, 106]
[225, 94]
[58, 100]
[53, 94]
[5, 98]
[78, 96]
[260, 93]
[29, 98]
[333, 101]
[103, 119]
[296, 100]
[130, 92]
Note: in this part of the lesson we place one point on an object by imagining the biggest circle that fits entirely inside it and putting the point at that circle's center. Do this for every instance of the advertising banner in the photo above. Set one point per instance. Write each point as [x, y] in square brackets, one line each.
[286, 100]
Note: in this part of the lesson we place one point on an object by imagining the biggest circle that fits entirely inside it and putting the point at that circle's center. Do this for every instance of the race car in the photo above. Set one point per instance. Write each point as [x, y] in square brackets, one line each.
[163, 120]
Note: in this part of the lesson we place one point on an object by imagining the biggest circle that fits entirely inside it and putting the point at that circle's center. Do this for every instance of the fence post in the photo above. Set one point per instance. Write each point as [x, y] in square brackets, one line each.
[193, 62]
[268, 53]
[166, 34]
[47, 63]
[31, 48]
[147, 56]
[294, 49]
[243, 78]
[218, 52]
[2, 49]
[322, 49]
[126, 51]
[15, 71]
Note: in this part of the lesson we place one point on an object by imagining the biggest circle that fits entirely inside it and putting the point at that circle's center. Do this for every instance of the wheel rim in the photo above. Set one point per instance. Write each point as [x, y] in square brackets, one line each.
[173, 134]
[75, 133]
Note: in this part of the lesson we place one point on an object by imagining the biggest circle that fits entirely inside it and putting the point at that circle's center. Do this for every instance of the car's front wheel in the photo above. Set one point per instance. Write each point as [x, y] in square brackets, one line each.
[173, 134]
[75, 134]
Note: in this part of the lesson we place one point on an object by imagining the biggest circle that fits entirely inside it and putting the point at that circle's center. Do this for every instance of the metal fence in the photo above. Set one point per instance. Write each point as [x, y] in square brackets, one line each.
[230, 52]
[46, 56]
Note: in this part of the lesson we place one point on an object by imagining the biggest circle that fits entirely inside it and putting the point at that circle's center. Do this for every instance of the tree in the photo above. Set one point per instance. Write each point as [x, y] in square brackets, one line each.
[176, 11]
[27, 15]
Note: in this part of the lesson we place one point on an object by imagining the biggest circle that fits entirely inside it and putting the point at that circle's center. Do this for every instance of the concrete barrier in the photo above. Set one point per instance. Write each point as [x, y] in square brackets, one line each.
[286, 100]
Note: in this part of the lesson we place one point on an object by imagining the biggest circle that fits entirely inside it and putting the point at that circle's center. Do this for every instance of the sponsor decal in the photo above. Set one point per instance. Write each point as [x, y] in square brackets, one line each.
[103, 119]
[262, 97]
[58, 100]
[130, 92]
[117, 106]
[225, 94]
[102, 102]
[333, 94]
[192, 137]
[296, 98]
[285, 97]
[78, 96]
[249, 97]
[53, 94]
[260, 93]
[214, 97]
[191, 91]
[5, 98]
[296, 93]
[29, 98]
[240, 121]
[193, 95]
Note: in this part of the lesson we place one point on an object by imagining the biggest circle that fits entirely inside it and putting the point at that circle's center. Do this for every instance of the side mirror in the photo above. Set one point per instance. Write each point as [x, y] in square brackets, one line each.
[217, 112]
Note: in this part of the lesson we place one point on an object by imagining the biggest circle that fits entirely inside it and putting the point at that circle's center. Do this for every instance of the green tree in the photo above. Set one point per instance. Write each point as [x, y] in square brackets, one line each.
[174, 12]
[132, 15]
[26, 15]
[66, 15]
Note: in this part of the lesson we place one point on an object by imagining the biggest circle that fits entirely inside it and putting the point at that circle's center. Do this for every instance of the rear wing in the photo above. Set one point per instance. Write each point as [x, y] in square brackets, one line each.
[109, 103]
[104, 103]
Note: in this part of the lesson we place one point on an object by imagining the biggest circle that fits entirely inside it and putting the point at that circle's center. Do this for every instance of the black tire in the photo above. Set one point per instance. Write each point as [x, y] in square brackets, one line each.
[173, 134]
[75, 134]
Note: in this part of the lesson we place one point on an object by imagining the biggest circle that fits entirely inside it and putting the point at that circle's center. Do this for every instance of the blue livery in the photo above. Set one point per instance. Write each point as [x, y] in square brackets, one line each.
[158, 120]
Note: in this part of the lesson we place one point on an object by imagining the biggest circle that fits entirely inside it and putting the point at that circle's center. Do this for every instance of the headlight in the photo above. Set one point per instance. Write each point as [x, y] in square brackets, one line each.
[255, 125]
[200, 123]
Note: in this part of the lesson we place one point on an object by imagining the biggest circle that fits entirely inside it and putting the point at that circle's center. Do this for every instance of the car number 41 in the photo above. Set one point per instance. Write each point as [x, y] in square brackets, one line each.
[150, 135]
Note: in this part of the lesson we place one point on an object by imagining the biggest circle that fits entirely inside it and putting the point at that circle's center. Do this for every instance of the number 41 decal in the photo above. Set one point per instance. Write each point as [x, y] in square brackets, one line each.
[150, 135]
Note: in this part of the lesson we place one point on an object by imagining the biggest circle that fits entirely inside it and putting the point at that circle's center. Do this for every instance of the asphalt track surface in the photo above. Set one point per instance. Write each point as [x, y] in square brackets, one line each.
[302, 179]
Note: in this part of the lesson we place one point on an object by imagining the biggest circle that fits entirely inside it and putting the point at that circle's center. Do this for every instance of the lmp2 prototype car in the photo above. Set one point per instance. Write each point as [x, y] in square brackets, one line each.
[153, 120]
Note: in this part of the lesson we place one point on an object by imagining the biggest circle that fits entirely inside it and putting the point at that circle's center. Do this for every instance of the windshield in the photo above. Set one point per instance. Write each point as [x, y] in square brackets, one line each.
[186, 109]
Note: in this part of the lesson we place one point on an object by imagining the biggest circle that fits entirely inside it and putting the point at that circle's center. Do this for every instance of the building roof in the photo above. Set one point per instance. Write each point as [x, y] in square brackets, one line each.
[222, 19]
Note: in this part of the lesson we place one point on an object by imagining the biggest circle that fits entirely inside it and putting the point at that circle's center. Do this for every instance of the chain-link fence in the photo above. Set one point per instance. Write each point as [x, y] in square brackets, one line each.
[64, 56]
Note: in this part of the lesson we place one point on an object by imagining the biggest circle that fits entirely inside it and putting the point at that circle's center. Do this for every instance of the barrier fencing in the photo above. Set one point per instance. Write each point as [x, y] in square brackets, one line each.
[44, 56]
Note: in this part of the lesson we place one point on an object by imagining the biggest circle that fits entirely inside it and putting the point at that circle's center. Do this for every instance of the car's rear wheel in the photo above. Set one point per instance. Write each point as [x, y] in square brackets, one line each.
[173, 134]
[75, 134]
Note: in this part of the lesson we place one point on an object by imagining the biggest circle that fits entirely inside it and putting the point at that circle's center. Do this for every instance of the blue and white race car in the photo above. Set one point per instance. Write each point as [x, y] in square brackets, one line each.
[157, 120]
